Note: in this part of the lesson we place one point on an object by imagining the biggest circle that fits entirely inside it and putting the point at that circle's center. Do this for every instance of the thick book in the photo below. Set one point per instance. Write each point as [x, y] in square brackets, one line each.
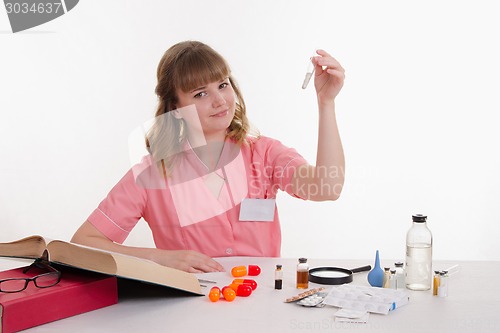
[76, 292]
[101, 261]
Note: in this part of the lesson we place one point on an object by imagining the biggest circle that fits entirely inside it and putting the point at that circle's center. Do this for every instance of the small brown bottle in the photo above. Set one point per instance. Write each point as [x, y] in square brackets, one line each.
[278, 278]
[303, 274]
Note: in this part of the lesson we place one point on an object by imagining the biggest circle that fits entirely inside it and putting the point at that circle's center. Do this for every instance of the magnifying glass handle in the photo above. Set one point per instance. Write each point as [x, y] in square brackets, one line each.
[361, 269]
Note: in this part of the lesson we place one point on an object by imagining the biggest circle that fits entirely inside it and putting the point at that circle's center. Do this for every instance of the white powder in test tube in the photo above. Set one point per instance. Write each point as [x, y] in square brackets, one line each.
[309, 74]
[307, 79]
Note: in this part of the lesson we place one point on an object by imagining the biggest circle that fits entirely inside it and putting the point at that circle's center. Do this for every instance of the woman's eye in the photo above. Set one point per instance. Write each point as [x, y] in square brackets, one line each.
[223, 85]
[200, 94]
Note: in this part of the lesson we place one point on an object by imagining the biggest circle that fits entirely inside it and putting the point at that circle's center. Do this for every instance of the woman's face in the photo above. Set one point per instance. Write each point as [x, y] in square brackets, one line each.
[215, 104]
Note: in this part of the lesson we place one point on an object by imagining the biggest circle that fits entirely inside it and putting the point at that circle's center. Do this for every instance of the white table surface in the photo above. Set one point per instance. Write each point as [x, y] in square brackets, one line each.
[473, 305]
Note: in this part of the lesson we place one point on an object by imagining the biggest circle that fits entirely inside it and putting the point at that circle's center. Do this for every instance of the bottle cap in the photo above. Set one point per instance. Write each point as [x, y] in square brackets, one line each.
[398, 264]
[302, 260]
[419, 218]
[278, 266]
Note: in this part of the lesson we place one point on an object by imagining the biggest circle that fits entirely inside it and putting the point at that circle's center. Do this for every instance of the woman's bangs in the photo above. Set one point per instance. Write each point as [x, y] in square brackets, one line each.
[200, 71]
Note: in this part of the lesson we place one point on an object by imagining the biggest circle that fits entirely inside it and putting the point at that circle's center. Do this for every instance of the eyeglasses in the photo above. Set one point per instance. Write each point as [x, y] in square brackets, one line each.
[14, 285]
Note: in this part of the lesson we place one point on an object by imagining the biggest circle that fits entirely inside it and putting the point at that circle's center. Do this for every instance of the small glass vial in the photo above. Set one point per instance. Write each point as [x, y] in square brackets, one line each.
[392, 280]
[435, 285]
[443, 284]
[303, 274]
[387, 276]
[400, 276]
[278, 278]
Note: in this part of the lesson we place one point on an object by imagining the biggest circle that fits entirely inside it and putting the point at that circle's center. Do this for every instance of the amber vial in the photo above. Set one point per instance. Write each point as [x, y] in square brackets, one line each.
[437, 280]
[302, 274]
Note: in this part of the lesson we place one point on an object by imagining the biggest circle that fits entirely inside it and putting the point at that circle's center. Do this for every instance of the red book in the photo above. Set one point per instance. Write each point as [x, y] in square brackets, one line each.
[78, 291]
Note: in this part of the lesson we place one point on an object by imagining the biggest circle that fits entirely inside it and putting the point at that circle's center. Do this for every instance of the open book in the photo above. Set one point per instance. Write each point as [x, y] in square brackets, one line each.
[111, 263]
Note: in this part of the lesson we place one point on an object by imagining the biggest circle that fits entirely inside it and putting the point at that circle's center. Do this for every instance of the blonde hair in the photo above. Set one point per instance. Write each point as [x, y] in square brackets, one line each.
[187, 66]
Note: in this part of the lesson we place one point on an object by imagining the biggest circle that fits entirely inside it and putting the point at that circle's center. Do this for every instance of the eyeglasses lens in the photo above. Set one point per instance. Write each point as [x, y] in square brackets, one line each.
[13, 285]
[46, 280]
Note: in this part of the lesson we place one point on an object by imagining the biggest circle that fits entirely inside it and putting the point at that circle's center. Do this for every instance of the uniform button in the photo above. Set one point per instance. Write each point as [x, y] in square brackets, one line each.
[229, 250]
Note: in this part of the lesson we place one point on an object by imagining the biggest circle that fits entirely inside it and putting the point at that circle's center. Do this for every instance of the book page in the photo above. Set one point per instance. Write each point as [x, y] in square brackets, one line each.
[82, 257]
[149, 271]
[29, 247]
[122, 265]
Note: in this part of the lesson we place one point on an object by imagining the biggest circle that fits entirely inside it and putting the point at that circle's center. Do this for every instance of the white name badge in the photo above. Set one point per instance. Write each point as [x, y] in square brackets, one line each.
[261, 210]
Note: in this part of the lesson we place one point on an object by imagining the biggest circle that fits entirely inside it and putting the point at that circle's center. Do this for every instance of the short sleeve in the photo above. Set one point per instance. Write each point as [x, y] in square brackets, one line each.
[280, 162]
[120, 211]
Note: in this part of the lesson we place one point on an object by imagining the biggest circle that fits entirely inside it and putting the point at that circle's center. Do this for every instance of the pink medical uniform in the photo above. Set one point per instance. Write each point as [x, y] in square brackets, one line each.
[194, 209]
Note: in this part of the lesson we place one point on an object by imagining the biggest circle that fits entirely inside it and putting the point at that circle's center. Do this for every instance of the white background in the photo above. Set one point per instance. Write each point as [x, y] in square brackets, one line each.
[418, 113]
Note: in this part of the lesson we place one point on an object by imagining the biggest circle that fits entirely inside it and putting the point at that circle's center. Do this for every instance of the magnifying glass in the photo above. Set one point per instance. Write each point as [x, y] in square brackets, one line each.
[334, 275]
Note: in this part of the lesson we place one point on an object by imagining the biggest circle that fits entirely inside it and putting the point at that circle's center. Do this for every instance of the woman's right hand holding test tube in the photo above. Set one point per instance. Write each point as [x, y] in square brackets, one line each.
[325, 180]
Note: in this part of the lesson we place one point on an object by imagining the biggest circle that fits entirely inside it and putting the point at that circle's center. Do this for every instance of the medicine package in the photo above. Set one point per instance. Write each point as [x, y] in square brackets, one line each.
[314, 300]
[369, 299]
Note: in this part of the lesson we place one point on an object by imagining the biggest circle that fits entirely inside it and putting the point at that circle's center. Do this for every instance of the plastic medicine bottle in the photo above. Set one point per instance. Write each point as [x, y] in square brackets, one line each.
[303, 274]
[419, 255]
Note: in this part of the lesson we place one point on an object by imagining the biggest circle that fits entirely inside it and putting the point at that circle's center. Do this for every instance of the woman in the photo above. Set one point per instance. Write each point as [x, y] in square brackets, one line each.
[207, 188]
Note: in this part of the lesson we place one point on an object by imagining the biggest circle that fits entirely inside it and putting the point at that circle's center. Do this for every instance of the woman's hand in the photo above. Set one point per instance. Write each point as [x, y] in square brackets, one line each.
[189, 261]
[186, 260]
[328, 77]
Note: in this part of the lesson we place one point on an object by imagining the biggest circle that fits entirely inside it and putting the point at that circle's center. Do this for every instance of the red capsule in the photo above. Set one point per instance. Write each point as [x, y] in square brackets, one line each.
[249, 282]
[253, 270]
[224, 288]
[239, 271]
[241, 289]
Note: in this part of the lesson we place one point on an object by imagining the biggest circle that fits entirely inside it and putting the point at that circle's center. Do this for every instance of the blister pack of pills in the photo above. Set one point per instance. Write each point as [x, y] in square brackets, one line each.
[314, 300]
[304, 295]
[363, 298]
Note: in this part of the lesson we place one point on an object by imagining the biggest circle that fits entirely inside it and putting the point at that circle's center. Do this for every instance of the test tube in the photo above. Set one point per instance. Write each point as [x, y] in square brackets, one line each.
[309, 74]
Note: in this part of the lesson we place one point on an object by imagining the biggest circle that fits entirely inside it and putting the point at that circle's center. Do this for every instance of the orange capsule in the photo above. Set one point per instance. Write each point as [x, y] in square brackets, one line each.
[249, 282]
[214, 294]
[239, 271]
[241, 289]
[229, 294]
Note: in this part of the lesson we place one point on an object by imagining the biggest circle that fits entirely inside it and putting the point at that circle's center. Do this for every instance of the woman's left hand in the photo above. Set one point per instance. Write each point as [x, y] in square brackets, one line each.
[328, 77]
